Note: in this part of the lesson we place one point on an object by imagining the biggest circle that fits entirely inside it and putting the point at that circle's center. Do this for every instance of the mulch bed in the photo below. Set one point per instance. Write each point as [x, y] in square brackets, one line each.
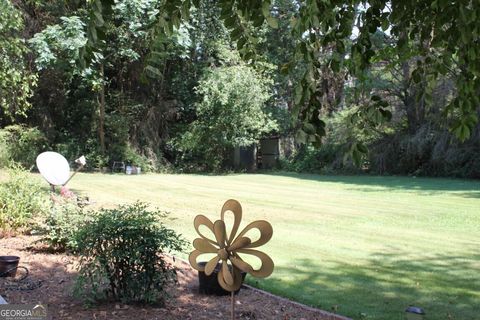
[52, 276]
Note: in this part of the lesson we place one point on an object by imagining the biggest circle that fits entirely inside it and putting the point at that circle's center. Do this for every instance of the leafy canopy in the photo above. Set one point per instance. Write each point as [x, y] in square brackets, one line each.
[16, 79]
[443, 36]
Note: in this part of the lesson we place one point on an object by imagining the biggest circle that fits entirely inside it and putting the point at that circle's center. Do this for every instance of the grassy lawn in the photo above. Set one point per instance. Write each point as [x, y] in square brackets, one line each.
[362, 246]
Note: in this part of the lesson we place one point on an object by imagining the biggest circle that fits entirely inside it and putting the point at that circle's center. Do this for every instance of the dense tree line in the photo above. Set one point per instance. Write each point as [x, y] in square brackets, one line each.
[393, 85]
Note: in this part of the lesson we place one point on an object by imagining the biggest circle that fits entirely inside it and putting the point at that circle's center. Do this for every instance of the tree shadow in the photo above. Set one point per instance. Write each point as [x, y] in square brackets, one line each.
[470, 188]
[446, 286]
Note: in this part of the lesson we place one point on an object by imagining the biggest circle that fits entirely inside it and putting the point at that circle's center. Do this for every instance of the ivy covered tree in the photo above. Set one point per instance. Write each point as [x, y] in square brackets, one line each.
[114, 59]
[16, 77]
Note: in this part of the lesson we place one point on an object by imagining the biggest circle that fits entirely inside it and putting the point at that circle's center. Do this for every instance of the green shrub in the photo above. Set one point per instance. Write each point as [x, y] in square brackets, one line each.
[430, 151]
[21, 200]
[122, 255]
[4, 154]
[21, 144]
[326, 158]
[135, 158]
[61, 224]
[231, 113]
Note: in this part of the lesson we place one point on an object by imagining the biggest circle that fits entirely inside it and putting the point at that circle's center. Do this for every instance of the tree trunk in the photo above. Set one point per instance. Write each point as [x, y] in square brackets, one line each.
[414, 107]
[101, 115]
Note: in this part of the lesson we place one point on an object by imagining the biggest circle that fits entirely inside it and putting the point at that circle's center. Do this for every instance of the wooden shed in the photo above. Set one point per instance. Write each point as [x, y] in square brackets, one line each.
[268, 153]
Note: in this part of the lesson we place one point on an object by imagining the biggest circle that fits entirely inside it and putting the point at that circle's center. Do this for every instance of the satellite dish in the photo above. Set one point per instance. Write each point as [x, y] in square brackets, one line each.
[53, 167]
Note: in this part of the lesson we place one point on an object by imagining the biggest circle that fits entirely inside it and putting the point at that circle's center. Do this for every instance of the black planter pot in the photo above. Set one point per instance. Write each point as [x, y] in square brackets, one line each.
[8, 266]
[209, 284]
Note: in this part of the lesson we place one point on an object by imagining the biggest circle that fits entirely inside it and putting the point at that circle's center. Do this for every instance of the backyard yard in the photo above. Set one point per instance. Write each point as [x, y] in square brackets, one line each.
[384, 91]
[361, 246]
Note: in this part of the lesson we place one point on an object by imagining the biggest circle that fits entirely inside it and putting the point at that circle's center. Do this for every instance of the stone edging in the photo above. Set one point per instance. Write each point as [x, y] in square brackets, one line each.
[331, 316]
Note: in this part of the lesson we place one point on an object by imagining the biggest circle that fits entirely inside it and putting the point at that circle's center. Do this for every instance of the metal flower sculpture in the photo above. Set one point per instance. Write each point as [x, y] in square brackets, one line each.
[228, 249]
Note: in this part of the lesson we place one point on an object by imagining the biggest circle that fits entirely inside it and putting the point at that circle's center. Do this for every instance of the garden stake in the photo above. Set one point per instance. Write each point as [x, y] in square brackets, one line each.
[232, 301]
[228, 249]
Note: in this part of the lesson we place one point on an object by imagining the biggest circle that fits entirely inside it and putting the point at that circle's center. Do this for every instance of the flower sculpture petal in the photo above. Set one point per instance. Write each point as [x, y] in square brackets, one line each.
[227, 248]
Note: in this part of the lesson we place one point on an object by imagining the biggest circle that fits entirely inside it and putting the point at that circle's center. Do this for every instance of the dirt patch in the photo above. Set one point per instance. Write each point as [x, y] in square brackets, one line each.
[52, 276]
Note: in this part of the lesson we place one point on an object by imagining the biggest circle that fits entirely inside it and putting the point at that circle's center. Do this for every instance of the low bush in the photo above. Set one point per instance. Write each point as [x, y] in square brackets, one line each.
[61, 224]
[135, 158]
[22, 199]
[122, 255]
[21, 144]
[4, 154]
[326, 159]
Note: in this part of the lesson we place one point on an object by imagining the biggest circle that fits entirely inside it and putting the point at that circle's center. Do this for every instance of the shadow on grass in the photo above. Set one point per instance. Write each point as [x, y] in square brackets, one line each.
[446, 286]
[470, 188]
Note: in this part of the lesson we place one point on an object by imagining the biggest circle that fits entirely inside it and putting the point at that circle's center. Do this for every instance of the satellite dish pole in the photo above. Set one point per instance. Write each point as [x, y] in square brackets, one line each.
[82, 161]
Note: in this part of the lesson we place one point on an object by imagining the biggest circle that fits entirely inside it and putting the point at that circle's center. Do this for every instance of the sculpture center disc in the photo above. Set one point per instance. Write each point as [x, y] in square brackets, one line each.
[223, 254]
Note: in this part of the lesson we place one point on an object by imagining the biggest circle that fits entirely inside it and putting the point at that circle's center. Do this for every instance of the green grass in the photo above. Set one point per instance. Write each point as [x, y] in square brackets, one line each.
[357, 245]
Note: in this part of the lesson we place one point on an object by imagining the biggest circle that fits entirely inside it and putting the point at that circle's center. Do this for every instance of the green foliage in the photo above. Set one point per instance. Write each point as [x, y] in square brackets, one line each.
[122, 255]
[119, 146]
[58, 229]
[329, 158]
[353, 129]
[96, 160]
[315, 160]
[21, 200]
[123, 80]
[113, 57]
[231, 113]
[16, 79]
[21, 144]
[4, 152]
[428, 152]
[232, 105]
[440, 34]
[445, 37]
[60, 43]
[133, 157]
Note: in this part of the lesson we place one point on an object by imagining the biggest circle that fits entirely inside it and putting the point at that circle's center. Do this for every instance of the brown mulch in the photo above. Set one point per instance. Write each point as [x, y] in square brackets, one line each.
[52, 277]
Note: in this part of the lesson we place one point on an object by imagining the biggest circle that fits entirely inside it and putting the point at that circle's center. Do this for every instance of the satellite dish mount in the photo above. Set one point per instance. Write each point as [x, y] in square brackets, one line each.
[55, 168]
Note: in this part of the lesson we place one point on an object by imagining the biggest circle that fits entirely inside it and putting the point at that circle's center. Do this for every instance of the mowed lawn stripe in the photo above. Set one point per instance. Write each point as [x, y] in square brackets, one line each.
[355, 245]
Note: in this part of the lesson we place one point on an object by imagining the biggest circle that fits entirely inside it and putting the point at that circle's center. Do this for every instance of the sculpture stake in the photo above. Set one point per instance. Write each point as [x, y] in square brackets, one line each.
[232, 301]
[228, 249]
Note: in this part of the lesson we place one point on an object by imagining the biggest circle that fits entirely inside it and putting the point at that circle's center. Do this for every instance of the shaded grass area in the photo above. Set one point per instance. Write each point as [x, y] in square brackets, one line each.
[365, 247]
